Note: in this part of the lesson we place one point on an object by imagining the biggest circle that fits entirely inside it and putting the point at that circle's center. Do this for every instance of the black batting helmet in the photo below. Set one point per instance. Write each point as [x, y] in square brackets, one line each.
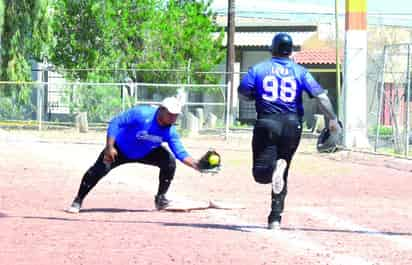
[282, 44]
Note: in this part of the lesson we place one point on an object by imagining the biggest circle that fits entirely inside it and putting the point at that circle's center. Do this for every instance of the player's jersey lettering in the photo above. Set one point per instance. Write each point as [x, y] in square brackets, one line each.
[280, 71]
[279, 88]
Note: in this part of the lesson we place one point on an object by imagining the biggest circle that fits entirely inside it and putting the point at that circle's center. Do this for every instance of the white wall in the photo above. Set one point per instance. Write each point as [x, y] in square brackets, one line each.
[250, 58]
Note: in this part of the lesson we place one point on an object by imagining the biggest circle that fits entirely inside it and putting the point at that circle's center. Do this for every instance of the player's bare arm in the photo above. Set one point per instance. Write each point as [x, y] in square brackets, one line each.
[191, 162]
[327, 109]
[110, 151]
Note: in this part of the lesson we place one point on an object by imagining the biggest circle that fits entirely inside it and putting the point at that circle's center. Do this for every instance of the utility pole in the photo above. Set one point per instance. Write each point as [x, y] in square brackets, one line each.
[355, 81]
[338, 80]
[230, 57]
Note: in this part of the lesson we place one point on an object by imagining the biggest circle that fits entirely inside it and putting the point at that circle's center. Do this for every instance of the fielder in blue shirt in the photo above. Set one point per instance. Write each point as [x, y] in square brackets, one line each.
[137, 136]
[276, 86]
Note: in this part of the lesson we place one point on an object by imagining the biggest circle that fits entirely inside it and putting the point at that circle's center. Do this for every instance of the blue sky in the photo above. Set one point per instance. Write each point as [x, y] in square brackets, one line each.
[387, 6]
[373, 5]
[380, 11]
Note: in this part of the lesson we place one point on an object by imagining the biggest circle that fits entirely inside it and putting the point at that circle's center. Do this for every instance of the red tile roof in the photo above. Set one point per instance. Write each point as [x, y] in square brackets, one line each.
[317, 56]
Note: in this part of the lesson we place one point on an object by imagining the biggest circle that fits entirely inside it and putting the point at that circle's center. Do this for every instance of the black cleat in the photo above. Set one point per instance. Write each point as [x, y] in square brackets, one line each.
[161, 202]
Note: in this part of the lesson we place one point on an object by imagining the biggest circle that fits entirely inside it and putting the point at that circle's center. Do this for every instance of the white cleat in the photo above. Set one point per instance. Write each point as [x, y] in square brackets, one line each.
[74, 208]
[275, 225]
[278, 181]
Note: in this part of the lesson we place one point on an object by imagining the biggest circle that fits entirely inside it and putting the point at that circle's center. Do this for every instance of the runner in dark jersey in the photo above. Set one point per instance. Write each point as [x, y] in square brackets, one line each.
[276, 86]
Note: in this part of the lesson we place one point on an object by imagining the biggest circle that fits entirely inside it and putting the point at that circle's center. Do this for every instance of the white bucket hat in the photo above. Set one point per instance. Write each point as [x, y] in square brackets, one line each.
[172, 104]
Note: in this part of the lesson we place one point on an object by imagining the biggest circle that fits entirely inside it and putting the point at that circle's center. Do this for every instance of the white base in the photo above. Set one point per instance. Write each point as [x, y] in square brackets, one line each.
[189, 205]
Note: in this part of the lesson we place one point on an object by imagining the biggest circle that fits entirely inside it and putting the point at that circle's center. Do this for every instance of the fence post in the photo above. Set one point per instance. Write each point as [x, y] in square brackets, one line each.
[183, 95]
[382, 87]
[228, 107]
[235, 97]
[39, 103]
[122, 94]
[408, 88]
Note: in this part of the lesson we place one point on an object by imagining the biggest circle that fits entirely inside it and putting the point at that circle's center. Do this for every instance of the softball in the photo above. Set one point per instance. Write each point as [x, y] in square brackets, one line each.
[214, 160]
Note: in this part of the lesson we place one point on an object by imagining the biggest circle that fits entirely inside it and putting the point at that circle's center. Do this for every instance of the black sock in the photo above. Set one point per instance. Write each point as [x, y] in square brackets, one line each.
[87, 184]
[164, 185]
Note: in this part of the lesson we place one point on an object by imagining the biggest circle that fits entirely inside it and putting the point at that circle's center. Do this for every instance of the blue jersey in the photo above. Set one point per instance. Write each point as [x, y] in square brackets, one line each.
[276, 86]
[137, 132]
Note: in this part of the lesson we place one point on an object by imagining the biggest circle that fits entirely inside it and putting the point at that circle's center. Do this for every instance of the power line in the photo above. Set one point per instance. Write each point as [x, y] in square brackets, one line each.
[398, 19]
[223, 12]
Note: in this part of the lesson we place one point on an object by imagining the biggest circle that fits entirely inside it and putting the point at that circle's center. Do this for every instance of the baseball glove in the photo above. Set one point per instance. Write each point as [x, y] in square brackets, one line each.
[329, 142]
[210, 162]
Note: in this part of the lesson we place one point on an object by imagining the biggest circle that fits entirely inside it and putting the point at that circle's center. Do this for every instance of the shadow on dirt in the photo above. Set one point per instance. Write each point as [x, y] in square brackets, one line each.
[245, 228]
[240, 228]
[366, 232]
[114, 210]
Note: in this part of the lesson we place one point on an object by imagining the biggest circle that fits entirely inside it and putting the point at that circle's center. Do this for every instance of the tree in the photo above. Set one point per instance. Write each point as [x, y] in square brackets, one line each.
[129, 34]
[92, 34]
[24, 36]
[146, 34]
[1, 21]
[79, 41]
[182, 31]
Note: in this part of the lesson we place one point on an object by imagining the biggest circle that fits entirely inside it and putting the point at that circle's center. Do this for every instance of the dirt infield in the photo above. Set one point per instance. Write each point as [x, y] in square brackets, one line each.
[344, 208]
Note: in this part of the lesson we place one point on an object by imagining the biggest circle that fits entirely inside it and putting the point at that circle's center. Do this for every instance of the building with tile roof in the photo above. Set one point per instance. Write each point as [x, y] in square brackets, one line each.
[252, 41]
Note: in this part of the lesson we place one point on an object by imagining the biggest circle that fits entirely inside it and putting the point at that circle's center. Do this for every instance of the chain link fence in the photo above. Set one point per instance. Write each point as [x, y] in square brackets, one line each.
[389, 101]
[54, 102]
[91, 105]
